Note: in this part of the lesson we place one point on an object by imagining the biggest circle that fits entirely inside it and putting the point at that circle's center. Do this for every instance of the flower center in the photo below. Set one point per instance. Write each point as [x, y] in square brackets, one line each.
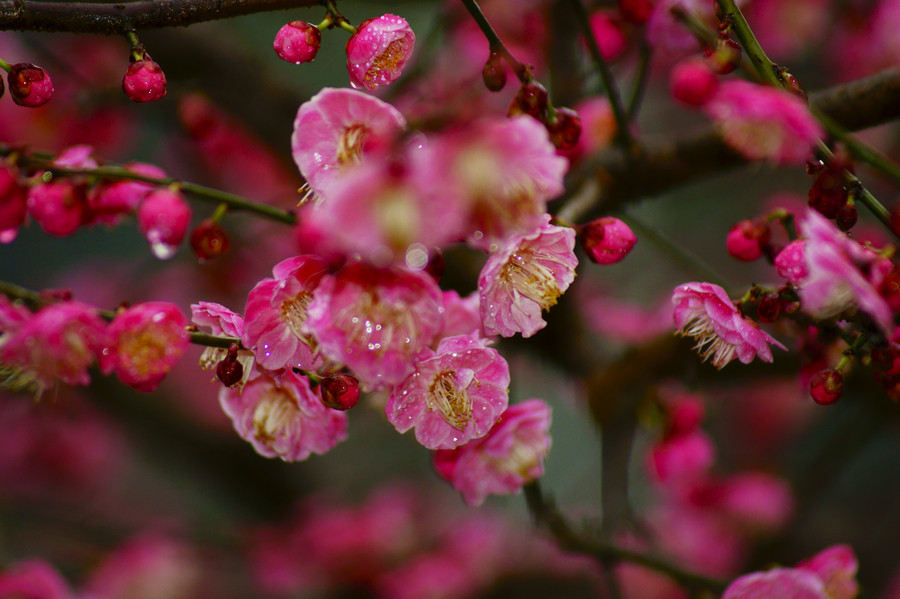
[351, 142]
[293, 312]
[380, 326]
[452, 402]
[144, 351]
[389, 60]
[529, 278]
[275, 411]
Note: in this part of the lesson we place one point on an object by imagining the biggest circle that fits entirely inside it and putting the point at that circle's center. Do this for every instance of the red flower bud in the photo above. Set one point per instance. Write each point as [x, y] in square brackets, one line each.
[340, 391]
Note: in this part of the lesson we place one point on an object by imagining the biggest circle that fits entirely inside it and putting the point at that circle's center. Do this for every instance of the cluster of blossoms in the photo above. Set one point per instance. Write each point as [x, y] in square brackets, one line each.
[62, 339]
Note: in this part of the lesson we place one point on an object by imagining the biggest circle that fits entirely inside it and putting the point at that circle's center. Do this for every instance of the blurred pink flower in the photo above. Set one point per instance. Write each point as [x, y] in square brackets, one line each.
[33, 579]
[681, 459]
[510, 456]
[378, 51]
[527, 275]
[58, 207]
[836, 567]
[756, 501]
[704, 311]
[455, 393]
[778, 583]
[282, 417]
[598, 127]
[109, 201]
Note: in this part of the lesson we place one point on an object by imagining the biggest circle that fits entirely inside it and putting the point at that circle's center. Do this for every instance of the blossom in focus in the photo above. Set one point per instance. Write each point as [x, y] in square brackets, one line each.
[375, 320]
[277, 309]
[525, 277]
[33, 578]
[57, 343]
[144, 342]
[510, 456]
[333, 128]
[704, 311]
[455, 394]
[281, 417]
[764, 123]
[144, 81]
[378, 51]
[834, 281]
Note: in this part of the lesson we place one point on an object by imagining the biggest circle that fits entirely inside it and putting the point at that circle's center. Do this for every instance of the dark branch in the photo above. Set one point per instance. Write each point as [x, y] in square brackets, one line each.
[119, 17]
[857, 105]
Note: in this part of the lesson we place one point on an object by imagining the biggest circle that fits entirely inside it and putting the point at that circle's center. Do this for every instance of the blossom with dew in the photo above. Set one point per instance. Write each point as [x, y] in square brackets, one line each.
[764, 123]
[607, 240]
[835, 278]
[221, 321]
[144, 342]
[455, 394]
[277, 309]
[375, 320]
[297, 42]
[705, 312]
[790, 263]
[510, 456]
[333, 128]
[525, 277]
[281, 417]
[378, 51]
[33, 578]
[57, 343]
[506, 171]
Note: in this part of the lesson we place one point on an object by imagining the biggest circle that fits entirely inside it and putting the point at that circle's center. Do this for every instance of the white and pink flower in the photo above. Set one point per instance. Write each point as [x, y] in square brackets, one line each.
[378, 51]
[455, 394]
[510, 456]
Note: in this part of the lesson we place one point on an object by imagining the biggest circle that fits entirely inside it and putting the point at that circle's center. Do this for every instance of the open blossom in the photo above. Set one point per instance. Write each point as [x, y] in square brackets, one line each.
[378, 51]
[836, 567]
[334, 127]
[455, 394]
[511, 455]
[144, 342]
[764, 123]
[282, 418]
[704, 311]
[525, 277]
[834, 281]
[376, 320]
[57, 343]
[276, 313]
[506, 170]
[221, 321]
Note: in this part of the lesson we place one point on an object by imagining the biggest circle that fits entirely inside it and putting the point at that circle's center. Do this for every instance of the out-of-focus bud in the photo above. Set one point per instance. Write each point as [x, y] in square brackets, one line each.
[493, 73]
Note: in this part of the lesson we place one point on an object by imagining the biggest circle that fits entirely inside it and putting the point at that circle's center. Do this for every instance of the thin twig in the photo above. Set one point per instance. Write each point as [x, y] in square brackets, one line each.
[641, 77]
[522, 71]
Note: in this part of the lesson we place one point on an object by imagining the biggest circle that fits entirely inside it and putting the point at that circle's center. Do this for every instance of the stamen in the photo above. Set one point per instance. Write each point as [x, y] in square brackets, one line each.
[451, 402]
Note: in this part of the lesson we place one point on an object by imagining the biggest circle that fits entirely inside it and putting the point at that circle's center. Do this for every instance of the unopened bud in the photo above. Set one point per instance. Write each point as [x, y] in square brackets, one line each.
[340, 391]
[493, 73]
[209, 240]
[229, 370]
[826, 386]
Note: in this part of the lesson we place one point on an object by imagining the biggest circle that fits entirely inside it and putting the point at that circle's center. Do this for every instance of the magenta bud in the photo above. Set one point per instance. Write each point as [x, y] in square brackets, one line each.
[144, 81]
[607, 240]
[340, 391]
[29, 85]
[297, 42]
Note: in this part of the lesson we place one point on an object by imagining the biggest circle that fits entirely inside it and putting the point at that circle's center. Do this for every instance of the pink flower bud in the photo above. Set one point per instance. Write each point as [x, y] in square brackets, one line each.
[378, 51]
[790, 262]
[110, 200]
[745, 240]
[57, 207]
[340, 391]
[12, 199]
[297, 42]
[609, 36]
[692, 82]
[163, 217]
[29, 85]
[144, 81]
[607, 240]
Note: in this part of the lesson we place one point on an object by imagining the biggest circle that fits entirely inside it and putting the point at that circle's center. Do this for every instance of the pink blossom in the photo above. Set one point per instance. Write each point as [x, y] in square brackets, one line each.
[790, 263]
[76, 157]
[778, 583]
[835, 282]
[144, 81]
[699, 539]
[681, 459]
[58, 207]
[598, 127]
[29, 85]
[297, 42]
[608, 35]
[607, 240]
[461, 315]
[375, 320]
[145, 341]
[334, 127]
[756, 501]
[221, 321]
[455, 394]
[510, 456]
[692, 82]
[704, 311]
[110, 200]
[164, 217]
[378, 51]
[276, 314]
[836, 567]
[33, 579]
[525, 277]
[58, 343]
[764, 123]
[506, 170]
[282, 418]
[12, 199]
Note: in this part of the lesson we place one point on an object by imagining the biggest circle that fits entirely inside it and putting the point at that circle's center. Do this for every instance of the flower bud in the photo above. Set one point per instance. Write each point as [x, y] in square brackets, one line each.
[378, 51]
[229, 370]
[58, 207]
[494, 74]
[565, 129]
[163, 217]
[209, 240]
[846, 217]
[340, 391]
[297, 42]
[746, 239]
[532, 99]
[12, 198]
[725, 57]
[692, 82]
[144, 81]
[29, 85]
[607, 240]
[826, 386]
[769, 307]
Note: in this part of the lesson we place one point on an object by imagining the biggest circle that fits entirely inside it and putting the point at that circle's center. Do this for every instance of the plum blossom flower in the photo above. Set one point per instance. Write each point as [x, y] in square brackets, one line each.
[681, 459]
[764, 123]
[461, 314]
[334, 127]
[221, 321]
[375, 320]
[455, 394]
[790, 263]
[282, 418]
[275, 316]
[704, 311]
[510, 456]
[378, 51]
[834, 280]
[57, 343]
[34, 578]
[144, 342]
[526, 276]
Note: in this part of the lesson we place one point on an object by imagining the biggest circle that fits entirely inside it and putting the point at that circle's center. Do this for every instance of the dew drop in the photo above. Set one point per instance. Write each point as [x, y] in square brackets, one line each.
[163, 251]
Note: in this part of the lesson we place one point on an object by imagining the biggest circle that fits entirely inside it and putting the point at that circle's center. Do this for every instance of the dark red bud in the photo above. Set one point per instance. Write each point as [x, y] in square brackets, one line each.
[493, 73]
[769, 307]
[846, 217]
[209, 240]
[340, 391]
[826, 386]
[532, 99]
[229, 370]
[565, 129]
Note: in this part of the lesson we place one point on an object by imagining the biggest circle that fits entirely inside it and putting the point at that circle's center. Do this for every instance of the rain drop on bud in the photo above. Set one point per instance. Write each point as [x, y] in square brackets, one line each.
[340, 391]
[493, 73]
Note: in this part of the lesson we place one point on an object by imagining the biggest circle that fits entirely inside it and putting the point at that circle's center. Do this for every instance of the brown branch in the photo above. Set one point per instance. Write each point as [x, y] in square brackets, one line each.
[660, 167]
[120, 17]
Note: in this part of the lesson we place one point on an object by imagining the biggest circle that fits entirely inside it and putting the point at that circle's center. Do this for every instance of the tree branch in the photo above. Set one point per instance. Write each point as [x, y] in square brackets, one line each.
[120, 17]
